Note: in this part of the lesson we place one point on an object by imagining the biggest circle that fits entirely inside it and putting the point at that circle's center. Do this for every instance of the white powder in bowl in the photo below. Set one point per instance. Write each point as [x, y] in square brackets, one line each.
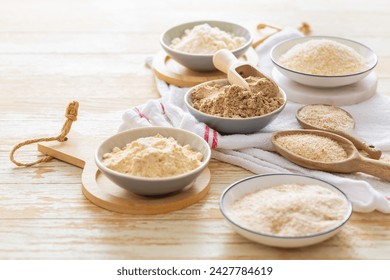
[323, 57]
[290, 210]
[204, 39]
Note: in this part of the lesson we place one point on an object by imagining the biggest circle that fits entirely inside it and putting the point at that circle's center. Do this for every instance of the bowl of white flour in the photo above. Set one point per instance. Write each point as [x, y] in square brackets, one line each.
[285, 210]
[193, 44]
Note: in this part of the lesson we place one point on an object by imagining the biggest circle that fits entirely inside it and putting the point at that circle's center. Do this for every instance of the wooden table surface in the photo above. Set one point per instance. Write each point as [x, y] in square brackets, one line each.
[53, 51]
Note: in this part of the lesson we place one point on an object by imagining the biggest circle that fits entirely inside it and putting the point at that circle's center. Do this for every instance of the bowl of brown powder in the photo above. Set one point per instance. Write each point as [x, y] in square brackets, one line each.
[232, 109]
[323, 61]
[285, 210]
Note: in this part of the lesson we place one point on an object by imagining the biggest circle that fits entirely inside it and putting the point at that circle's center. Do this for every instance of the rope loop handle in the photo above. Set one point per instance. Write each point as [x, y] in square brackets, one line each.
[304, 28]
[71, 116]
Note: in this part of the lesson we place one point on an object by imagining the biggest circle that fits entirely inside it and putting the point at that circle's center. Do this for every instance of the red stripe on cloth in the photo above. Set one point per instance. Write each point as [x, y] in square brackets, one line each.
[387, 197]
[162, 107]
[215, 140]
[140, 114]
[206, 133]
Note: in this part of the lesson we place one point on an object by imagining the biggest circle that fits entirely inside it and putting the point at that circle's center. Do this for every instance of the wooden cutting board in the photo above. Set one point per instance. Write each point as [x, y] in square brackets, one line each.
[79, 151]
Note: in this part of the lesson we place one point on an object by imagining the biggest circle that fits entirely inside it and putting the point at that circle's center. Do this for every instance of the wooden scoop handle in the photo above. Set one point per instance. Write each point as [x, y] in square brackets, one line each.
[223, 60]
[376, 168]
[360, 144]
[226, 62]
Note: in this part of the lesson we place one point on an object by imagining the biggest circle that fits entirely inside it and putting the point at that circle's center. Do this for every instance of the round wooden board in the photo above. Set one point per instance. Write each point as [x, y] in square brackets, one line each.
[170, 71]
[101, 191]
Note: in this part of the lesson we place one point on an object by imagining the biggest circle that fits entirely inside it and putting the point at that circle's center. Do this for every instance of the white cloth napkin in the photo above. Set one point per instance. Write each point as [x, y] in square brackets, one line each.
[254, 152]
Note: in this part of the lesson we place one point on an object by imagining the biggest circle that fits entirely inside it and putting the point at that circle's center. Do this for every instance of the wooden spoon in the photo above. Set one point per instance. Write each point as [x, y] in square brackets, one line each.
[236, 70]
[347, 133]
[353, 163]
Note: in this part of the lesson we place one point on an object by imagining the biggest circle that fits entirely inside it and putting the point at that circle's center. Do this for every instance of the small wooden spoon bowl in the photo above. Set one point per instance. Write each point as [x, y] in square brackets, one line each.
[359, 143]
[353, 163]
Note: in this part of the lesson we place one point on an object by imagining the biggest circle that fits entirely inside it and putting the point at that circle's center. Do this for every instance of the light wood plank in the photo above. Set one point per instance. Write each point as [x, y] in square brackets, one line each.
[53, 51]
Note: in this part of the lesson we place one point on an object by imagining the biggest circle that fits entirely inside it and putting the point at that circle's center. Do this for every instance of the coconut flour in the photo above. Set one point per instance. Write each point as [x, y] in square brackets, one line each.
[204, 39]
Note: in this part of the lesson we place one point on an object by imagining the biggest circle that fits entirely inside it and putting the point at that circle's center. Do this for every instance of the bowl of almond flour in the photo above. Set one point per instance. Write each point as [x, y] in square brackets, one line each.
[285, 210]
[193, 44]
[232, 109]
[323, 61]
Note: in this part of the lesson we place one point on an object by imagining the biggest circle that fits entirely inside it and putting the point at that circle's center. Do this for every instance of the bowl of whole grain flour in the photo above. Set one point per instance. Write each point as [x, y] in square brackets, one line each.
[285, 210]
[232, 109]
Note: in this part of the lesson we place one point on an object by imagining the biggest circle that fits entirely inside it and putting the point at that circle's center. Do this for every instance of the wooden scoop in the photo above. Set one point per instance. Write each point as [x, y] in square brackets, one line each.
[354, 163]
[349, 134]
[236, 70]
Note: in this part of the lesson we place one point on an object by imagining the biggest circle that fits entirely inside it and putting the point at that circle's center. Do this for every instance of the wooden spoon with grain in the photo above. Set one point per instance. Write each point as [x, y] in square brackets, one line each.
[346, 132]
[236, 70]
[354, 162]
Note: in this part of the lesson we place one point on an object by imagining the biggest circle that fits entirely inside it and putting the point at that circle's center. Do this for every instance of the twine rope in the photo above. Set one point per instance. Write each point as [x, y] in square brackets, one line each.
[71, 116]
[304, 28]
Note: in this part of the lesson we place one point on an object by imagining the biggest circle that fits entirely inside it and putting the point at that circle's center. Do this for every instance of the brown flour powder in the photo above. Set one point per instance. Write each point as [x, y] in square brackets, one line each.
[234, 101]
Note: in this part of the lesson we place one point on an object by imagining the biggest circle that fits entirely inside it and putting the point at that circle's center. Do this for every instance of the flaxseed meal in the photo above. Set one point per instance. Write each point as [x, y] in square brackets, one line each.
[314, 147]
[234, 101]
[290, 210]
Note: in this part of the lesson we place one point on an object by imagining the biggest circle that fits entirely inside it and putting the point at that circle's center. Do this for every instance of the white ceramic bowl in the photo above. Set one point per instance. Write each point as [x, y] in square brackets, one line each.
[258, 182]
[153, 186]
[202, 62]
[322, 80]
[232, 125]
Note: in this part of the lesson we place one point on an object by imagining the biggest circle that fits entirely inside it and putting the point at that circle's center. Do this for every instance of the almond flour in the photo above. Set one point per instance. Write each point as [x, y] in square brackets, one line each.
[314, 147]
[290, 210]
[326, 117]
[204, 39]
[153, 157]
[323, 57]
[234, 101]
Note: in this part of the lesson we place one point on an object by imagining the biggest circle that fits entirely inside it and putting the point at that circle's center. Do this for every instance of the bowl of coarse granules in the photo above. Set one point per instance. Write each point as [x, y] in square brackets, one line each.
[323, 61]
[285, 210]
[232, 109]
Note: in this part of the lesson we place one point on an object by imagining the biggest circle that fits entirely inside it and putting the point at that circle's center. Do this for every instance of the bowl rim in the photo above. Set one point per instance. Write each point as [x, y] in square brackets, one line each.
[203, 164]
[323, 76]
[247, 44]
[300, 237]
[187, 98]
